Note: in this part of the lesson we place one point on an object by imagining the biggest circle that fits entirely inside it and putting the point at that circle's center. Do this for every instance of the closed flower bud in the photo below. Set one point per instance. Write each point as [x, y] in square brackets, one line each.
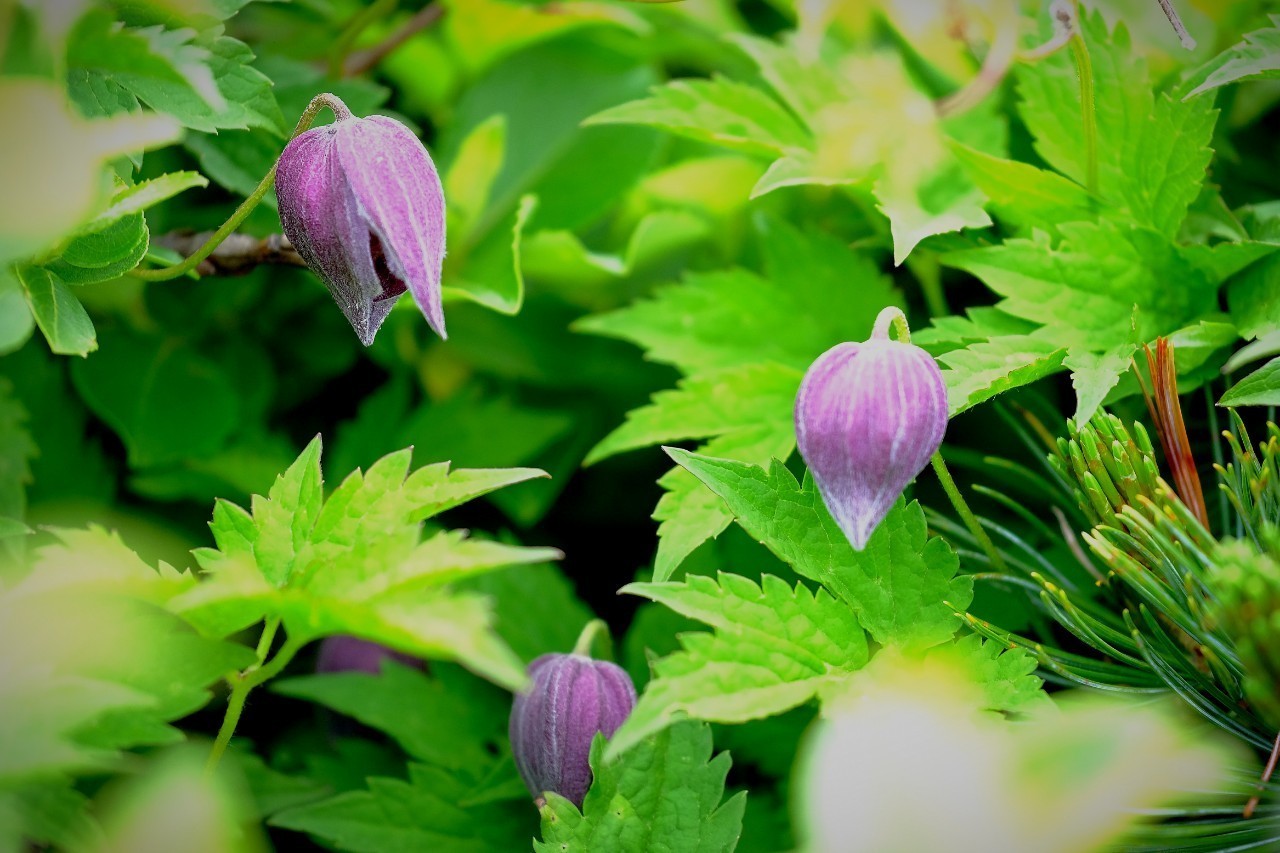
[351, 654]
[361, 202]
[868, 418]
[553, 724]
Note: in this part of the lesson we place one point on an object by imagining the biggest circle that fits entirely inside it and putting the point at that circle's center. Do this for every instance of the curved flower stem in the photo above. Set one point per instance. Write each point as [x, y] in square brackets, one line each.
[319, 102]
[592, 631]
[891, 315]
[966, 515]
[1084, 68]
[242, 686]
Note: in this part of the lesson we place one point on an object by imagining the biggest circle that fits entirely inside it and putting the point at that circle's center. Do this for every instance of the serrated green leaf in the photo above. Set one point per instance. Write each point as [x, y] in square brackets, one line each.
[982, 370]
[426, 812]
[246, 92]
[1024, 194]
[1255, 57]
[801, 82]
[902, 586]
[1095, 374]
[1260, 388]
[1006, 677]
[137, 198]
[719, 111]
[186, 406]
[58, 313]
[514, 590]
[663, 794]
[707, 405]
[1084, 289]
[1152, 150]
[774, 648]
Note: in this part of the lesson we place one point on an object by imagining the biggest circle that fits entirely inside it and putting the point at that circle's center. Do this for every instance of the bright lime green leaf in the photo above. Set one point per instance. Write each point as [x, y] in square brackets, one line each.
[690, 514]
[1254, 298]
[513, 591]
[184, 406]
[489, 273]
[1085, 289]
[976, 325]
[706, 405]
[456, 719]
[1006, 677]
[902, 586]
[354, 563]
[774, 648]
[1022, 193]
[987, 368]
[1256, 57]
[1152, 150]
[469, 178]
[800, 81]
[1260, 388]
[58, 313]
[1094, 374]
[719, 111]
[135, 199]
[663, 794]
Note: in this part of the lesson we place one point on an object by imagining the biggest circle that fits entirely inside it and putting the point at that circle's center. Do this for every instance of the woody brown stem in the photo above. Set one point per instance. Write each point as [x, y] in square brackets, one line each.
[237, 255]
[1266, 777]
[362, 61]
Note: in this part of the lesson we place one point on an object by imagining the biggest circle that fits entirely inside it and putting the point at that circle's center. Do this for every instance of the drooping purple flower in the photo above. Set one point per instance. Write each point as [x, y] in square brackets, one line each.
[352, 654]
[554, 722]
[868, 418]
[362, 203]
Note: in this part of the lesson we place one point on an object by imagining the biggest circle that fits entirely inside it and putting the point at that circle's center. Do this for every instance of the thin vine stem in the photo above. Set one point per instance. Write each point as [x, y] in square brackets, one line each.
[966, 515]
[1089, 117]
[242, 686]
[186, 265]
[593, 631]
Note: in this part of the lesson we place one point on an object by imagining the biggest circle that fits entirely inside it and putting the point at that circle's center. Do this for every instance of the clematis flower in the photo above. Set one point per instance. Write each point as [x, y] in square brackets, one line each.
[868, 418]
[362, 203]
[554, 722]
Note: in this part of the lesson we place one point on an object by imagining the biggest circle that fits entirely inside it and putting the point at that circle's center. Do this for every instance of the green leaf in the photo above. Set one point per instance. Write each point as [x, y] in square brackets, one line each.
[490, 272]
[514, 590]
[719, 111]
[354, 563]
[16, 320]
[58, 313]
[707, 405]
[1256, 57]
[982, 370]
[456, 721]
[774, 648]
[1254, 298]
[663, 794]
[1152, 149]
[1024, 194]
[246, 91]
[135, 199]
[429, 811]
[469, 179]
[1260, 388]
[801, 82]
[902, 586]
[104, 254]
[165, 400]
[1007, 677]
[1093, 375]
[16, 451]
[1085, 289]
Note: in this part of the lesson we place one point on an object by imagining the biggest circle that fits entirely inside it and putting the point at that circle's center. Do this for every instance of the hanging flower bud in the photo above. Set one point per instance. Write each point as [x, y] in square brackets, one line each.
[868, 418]
[352, 654]
[553, 724]
[362, 203]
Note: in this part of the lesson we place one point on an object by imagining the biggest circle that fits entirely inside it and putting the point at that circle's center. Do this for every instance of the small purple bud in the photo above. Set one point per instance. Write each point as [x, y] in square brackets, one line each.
[553, 724]
[868, 418]
[351, 654]
[362, 203]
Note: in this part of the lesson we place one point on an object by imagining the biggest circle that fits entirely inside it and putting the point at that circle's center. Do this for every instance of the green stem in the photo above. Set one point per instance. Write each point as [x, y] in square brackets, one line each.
[246, 207]
[241, 689]
[891, 315]
[1084, 68]
[966, 515]
[593, 630]
[359, 22]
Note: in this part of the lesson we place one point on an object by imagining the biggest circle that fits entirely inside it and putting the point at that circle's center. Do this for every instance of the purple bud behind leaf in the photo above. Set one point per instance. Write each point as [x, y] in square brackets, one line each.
[352, 654]
[554, 722]
[362, 203]
[868, 418]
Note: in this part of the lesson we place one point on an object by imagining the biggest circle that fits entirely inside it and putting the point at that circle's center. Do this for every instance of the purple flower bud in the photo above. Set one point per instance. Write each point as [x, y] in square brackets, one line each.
[361, 202]
[868, 418]
[351, 654]
[553, 724]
